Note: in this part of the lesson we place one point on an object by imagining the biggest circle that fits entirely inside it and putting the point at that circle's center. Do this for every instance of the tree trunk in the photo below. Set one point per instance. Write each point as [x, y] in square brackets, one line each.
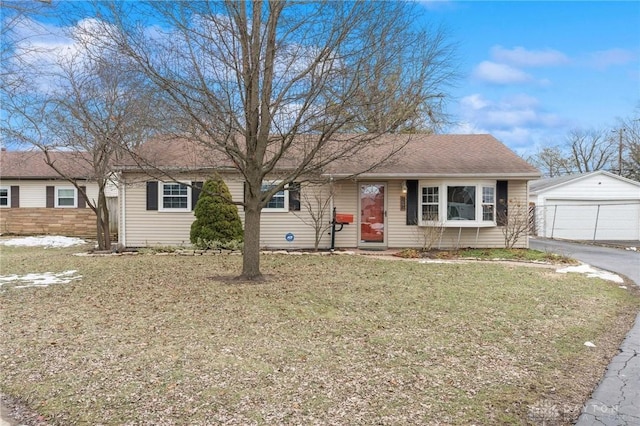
[102, 222]
[251, 255]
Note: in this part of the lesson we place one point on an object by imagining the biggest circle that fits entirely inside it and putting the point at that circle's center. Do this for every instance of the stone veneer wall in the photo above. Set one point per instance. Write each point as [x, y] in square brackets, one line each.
[39, 221]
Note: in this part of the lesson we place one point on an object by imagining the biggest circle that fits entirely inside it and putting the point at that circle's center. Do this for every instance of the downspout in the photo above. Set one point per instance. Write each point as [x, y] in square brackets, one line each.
[122, 238]
[331, 209]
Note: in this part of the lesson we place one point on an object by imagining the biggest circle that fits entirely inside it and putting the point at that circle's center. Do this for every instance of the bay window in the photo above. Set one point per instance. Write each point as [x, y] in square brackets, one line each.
[462, 204]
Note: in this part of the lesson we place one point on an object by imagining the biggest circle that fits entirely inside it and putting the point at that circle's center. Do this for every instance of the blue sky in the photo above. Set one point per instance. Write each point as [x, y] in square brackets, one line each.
[531, 71]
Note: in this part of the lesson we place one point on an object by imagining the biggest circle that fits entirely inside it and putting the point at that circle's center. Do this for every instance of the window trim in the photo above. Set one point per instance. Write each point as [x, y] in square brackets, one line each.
[285, 195]
[56, 197]
[443, 190]
[8, 189]
[161, 196]
[422, 203]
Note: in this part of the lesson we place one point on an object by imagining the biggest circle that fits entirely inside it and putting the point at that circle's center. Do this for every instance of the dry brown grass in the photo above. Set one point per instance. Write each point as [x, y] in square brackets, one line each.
[327, 340]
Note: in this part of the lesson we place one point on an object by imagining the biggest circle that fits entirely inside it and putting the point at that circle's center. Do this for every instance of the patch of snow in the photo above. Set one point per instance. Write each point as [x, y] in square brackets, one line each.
[40, 280]
[44, 241]
[592, 273]
[589, 344]
[632, 248]
[623, 286]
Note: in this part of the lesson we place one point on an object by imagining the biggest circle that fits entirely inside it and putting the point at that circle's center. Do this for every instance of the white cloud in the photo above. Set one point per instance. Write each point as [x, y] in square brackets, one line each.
[521, 57]
[516, 110]
[604, 59]
[496, 73]
[474, 102]
[43, 47]
[517, 120]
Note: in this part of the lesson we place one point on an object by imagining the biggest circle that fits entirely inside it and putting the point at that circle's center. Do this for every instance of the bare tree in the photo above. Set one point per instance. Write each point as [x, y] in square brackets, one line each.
[430, 235]
[315, 208]
[584, 151]
[590, 150]
[406, 99]
[100, 107]
[515, 222]
[629, 129]
[273, 86]
[93, 106]
[551, 161]
[17, 31]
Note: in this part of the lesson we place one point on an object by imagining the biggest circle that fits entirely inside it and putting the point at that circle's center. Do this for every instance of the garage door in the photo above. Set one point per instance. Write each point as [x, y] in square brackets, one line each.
[584, 219]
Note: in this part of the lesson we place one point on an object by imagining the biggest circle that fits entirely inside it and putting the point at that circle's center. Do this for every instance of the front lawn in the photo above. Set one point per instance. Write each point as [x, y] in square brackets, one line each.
[151, 339]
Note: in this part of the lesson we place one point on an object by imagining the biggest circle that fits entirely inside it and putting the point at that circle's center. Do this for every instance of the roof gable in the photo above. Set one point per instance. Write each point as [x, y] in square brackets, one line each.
[542, 185]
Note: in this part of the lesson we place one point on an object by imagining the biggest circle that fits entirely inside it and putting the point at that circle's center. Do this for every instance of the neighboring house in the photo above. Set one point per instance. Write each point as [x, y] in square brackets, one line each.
[589, 206]
[34, 199]
[457, 184]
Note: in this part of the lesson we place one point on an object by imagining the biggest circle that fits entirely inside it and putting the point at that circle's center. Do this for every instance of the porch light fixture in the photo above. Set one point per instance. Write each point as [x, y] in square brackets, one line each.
[404, 186]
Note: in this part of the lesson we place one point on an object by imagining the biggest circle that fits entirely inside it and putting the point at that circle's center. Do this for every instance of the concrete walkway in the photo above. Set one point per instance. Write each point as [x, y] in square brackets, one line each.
[616, 400]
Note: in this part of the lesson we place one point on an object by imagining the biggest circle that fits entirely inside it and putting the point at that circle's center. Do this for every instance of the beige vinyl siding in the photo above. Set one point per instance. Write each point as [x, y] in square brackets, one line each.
[274, 225]
[345, 200]
[33, 193]
[156, 228]
[144, 228]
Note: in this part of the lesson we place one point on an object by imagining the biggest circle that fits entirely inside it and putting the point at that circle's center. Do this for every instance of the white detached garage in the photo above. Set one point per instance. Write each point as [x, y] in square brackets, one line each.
[590, 206]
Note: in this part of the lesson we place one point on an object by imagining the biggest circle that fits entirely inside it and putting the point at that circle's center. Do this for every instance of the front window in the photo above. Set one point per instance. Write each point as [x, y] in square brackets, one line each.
[464, 204]
[174, 196]
[65, 197]
[5, 197]
[461, 203]
[488, 203]
[277, 201]
[430, 203]
[287, 199]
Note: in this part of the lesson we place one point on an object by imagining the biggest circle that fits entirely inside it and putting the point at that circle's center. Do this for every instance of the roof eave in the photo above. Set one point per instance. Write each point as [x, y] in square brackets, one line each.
[522, 176]
[45, 178]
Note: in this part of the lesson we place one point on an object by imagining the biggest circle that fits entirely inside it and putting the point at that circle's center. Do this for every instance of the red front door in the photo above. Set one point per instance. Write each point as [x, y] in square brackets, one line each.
[372, 213]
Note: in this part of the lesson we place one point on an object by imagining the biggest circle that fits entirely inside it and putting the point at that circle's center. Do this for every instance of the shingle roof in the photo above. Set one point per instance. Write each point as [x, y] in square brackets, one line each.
[31, 165]
[422, 156]
[450, 155]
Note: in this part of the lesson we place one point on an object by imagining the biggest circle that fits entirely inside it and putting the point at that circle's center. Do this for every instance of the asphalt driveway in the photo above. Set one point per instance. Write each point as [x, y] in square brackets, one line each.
[618, 260]
[616, 400]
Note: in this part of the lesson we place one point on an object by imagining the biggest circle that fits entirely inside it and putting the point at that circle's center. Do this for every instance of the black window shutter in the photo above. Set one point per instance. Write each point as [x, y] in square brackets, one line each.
[294, 196]
[412, 202]
[502, 199]
[51, 195]
[81, 202]
[196, 188]
[152, 195]
[15, 196]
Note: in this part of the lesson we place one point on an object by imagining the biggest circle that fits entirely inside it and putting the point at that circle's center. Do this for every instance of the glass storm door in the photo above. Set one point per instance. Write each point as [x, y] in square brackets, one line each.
[372, 213]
